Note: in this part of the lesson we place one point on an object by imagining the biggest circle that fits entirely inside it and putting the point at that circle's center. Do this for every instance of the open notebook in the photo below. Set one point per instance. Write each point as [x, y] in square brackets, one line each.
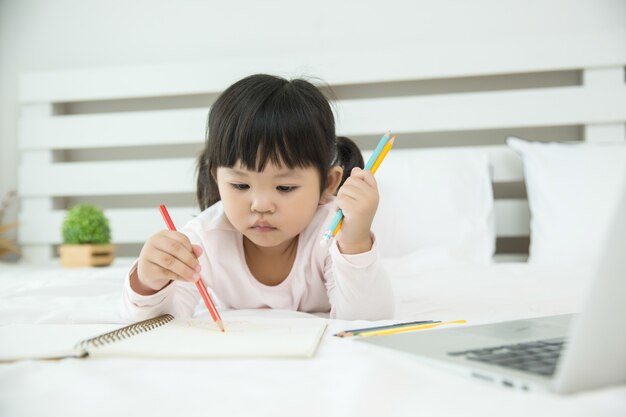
[164, 337]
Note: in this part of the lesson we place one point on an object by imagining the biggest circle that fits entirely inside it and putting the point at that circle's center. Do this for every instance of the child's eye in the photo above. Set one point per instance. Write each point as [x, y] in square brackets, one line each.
[286, 188]
[240, 187]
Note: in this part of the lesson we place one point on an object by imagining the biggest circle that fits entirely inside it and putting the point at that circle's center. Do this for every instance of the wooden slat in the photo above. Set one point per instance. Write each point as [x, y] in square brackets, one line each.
[451, 112]
[512, 219]
[489, 110]
[164, 175]
[102, 178]
[113, 129]
[434, 60]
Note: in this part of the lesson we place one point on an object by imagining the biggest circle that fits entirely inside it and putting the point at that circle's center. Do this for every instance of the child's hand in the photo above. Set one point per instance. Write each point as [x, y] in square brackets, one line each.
[358, 199]
[166, 256]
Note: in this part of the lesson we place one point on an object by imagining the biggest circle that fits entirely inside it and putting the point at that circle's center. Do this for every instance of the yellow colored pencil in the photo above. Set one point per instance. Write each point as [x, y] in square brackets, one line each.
[408, 328]
[337, 228]
[382, 155]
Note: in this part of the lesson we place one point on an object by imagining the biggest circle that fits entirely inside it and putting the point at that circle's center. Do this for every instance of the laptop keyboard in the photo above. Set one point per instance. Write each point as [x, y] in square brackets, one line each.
[538, 357]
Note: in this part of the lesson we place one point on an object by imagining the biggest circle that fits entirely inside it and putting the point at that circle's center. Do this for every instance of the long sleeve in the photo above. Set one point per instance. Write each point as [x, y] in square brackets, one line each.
[178, 299]
[358, 285]
[321, 278]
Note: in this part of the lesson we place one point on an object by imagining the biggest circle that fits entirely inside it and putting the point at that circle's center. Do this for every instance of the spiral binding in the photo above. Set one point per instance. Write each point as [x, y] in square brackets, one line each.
[125, 332]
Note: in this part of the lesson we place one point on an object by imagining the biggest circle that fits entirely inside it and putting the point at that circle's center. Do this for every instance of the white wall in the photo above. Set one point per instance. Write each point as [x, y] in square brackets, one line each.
[61, 34]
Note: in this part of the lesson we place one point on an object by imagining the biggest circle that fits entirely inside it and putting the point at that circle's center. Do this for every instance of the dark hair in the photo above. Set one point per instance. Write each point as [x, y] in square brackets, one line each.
[265, 118]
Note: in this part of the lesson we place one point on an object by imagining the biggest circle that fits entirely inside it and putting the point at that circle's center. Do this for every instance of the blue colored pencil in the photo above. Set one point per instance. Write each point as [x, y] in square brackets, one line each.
[355, 332]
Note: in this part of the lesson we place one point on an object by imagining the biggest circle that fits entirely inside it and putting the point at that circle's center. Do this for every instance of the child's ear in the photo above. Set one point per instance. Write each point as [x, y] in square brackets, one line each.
[333, 180]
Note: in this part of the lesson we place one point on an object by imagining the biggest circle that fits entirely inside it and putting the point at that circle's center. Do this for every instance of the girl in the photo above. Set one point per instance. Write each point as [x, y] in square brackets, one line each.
[266, 184]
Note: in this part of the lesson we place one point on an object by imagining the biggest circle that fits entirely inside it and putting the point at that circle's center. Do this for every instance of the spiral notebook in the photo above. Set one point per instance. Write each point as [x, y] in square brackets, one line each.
[164, 337]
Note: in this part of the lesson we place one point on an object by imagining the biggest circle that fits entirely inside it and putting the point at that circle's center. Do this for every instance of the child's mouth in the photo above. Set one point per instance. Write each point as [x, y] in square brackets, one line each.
[262, 226]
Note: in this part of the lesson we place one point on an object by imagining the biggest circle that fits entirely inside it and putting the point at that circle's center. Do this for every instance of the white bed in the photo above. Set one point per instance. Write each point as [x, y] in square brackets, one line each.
[344, 378]
[125, 139]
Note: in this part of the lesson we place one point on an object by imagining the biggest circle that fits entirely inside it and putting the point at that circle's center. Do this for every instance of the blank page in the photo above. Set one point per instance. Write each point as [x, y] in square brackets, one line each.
[195, 338]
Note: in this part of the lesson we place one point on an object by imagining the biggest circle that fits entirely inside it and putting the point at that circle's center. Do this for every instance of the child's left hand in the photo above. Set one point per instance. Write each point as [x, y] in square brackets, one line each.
[358, 199]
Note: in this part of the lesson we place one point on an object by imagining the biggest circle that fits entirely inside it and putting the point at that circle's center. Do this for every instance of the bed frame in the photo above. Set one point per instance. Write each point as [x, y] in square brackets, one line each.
[126, 138]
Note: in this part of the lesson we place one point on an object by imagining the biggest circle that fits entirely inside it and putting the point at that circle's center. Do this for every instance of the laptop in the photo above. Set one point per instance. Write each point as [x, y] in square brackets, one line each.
[562, 354]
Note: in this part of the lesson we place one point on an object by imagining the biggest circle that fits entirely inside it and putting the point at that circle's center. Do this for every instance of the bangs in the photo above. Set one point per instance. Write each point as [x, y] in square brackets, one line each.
[286, 128]
[265, 119]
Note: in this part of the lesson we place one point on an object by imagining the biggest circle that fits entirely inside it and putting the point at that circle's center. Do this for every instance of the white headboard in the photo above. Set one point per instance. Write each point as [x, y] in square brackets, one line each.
[126, 138]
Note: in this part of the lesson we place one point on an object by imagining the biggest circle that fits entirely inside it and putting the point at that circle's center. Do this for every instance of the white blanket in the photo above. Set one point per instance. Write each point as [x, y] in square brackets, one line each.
[343, 379]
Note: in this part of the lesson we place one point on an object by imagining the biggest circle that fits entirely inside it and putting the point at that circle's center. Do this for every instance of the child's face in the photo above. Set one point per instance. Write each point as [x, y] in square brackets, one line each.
[273, 206]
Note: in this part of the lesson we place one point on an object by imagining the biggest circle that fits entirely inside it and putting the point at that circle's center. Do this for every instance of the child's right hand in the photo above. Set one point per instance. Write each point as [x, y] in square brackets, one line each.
[166, 256]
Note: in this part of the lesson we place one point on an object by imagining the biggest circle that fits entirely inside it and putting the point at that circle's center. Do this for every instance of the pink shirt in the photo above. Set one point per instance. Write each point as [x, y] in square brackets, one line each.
[351, 287]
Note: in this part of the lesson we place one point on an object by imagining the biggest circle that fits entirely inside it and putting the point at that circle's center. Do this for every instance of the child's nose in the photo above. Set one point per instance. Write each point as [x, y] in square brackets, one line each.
[262, 204]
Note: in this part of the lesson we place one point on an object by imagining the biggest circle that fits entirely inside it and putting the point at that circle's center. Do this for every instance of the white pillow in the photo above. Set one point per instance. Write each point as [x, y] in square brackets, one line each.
[572, 190]
[435, 199]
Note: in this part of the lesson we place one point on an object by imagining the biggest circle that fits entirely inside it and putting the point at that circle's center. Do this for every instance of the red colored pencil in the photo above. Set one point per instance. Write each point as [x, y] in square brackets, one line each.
[199, 284]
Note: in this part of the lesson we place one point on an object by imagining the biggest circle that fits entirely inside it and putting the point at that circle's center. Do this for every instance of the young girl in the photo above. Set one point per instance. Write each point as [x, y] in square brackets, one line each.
[266, 184]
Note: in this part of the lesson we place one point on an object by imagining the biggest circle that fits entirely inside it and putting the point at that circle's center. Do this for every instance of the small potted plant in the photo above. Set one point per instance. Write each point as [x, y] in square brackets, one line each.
[86, 238]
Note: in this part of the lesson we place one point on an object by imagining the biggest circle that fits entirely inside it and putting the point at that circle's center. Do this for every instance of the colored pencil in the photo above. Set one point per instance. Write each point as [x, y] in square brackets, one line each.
[335, 224]
[337, 228]
[386, 149]
[383, 154]
[377, 151]
[356, 332]
[199, 284]
[409, 328]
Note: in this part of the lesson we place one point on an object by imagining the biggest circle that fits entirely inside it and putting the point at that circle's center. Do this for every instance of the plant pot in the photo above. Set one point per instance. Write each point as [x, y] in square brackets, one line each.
[86, 255]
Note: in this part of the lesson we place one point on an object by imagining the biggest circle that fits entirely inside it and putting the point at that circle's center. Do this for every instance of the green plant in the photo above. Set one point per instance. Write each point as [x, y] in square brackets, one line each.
[86, 224]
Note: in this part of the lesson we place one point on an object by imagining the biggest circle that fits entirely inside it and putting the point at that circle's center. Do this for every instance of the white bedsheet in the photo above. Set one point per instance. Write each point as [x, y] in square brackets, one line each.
[343, 379]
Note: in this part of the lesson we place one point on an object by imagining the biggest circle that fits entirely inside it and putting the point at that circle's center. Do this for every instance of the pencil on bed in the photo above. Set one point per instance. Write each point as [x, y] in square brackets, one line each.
[357, 332]
[409, 328]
